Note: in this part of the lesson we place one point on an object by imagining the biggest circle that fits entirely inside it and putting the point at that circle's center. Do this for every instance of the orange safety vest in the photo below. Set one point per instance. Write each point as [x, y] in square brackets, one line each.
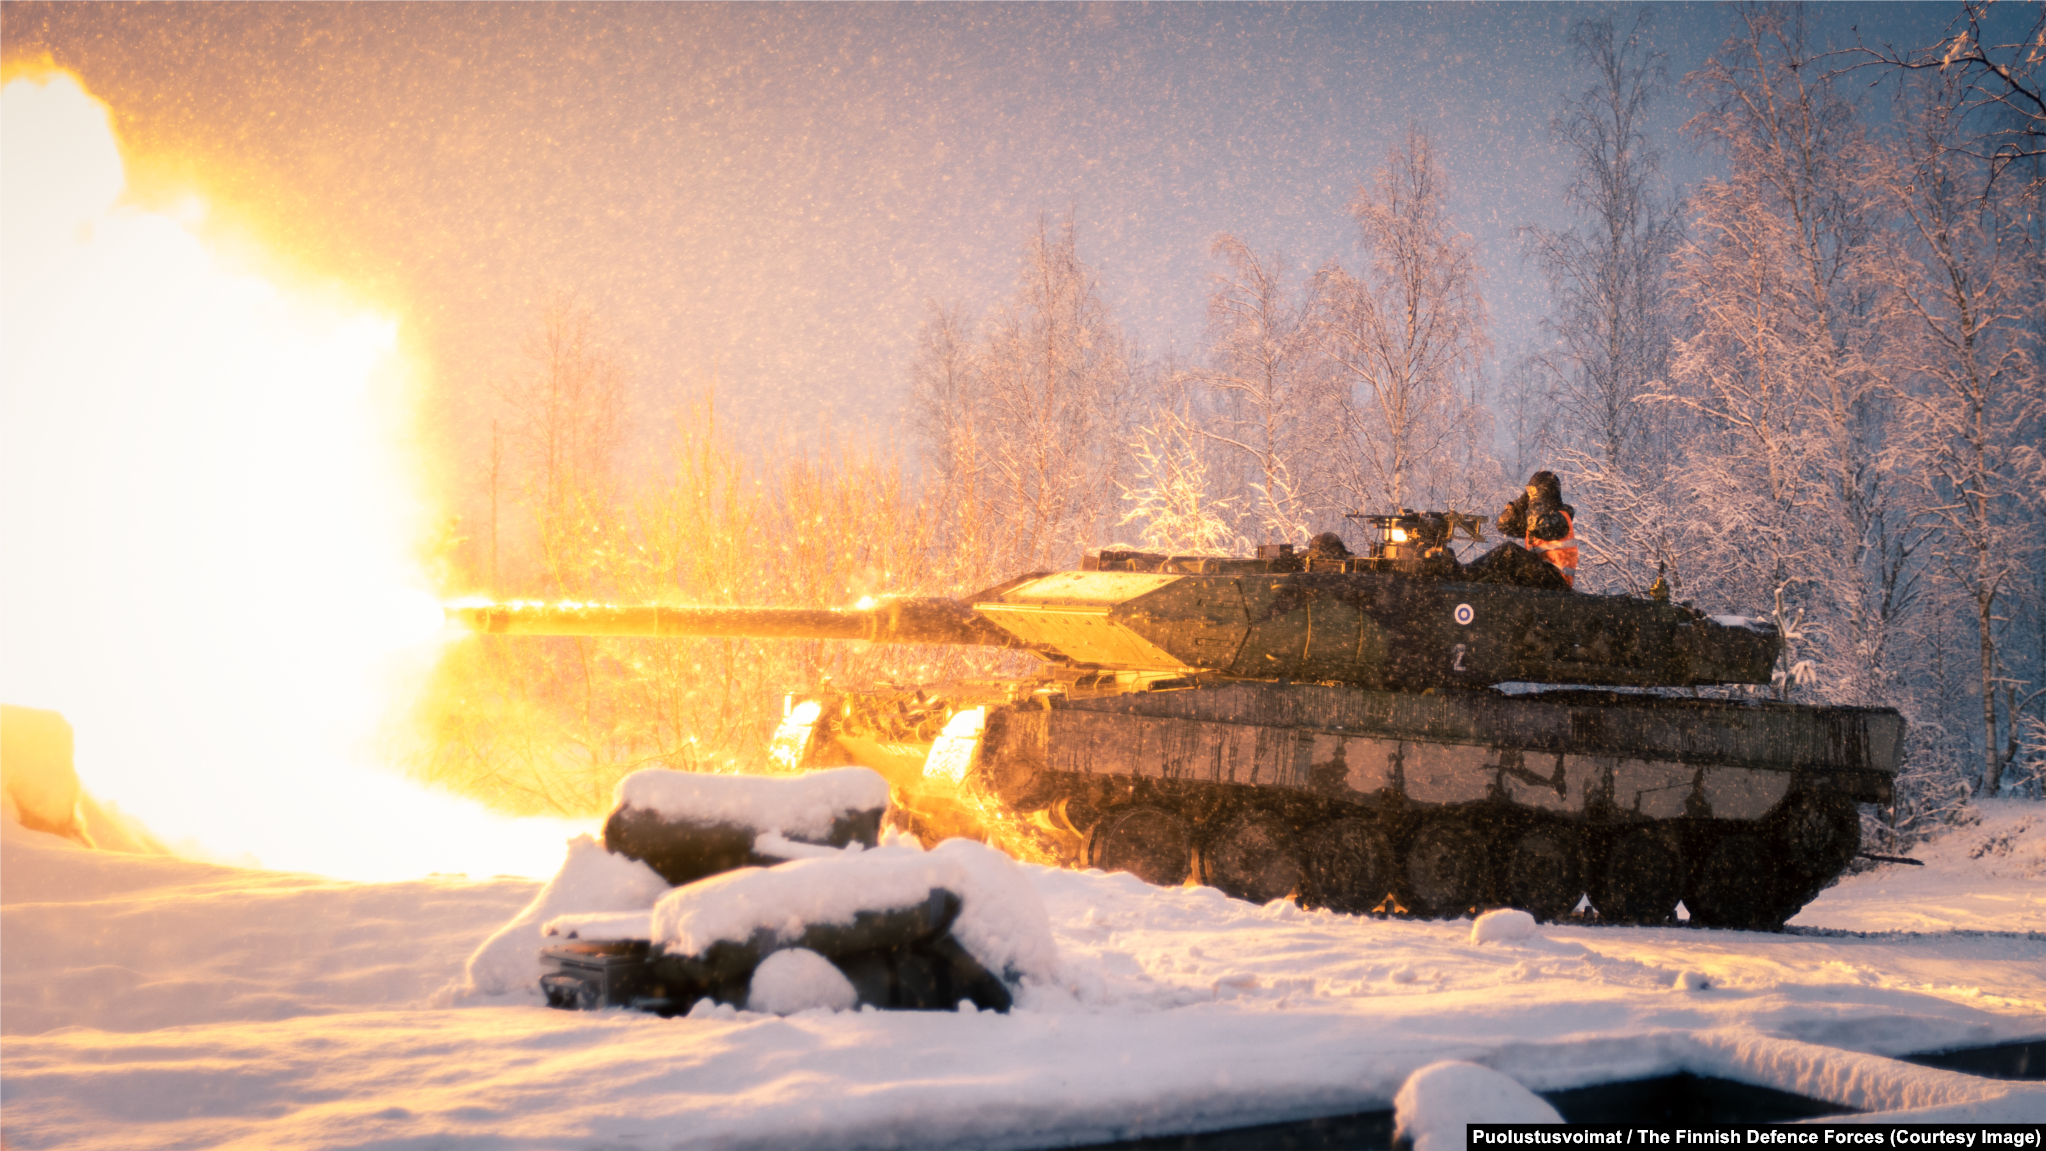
[1562, 552]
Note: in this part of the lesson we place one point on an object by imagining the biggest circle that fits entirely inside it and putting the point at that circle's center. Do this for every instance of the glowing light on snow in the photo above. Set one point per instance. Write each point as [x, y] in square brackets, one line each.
[951, 755]
[206, 562]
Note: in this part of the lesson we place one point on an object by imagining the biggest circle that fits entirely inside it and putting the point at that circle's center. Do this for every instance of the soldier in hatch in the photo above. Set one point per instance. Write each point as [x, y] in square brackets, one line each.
[1539, 517]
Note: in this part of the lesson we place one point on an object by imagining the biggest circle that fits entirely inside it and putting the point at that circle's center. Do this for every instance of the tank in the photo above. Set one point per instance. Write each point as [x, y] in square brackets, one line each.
[1362, 733]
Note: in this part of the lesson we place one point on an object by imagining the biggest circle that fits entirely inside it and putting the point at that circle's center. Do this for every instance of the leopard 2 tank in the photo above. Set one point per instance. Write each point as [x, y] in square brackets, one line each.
[1357, 732]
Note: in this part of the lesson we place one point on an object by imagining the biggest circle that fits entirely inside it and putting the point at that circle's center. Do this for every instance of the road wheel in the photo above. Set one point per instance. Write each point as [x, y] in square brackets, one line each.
[1445, 871]
[1251, 855]
[1640, 880]
[1150, 843]
[1540, 874]
[1348, 865]
[1739, 884]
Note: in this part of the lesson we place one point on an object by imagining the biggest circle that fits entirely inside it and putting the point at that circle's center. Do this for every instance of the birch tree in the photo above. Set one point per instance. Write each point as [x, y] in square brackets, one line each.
[1968, 292]
[1171, 495]
[1787, 484]
[1993, 74]
[945, 411]
[1270, 397]
[565, 427]
[1028, 419]
[1404, 343]
[1608, 276]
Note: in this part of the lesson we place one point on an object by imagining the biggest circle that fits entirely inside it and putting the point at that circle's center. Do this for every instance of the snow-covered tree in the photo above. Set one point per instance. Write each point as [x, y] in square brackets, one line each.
[1608, 276]
[564, 427]
[1787, 479]
[1404, 341]
[1028, 420]
[1968, 293]
[1271, 404]
[1990, 62]
[1609, 329]
[1170, 495]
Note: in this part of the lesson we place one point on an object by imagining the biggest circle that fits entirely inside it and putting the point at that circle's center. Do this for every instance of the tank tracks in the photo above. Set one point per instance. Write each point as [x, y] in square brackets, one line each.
[1439, 805]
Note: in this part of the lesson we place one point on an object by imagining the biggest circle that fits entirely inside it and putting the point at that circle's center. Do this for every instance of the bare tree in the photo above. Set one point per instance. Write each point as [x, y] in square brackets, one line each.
[1527, 410]
[1028, 421]
[1265, 372]
[1787, 482]
[1405, 341]
[1608, 277]
[1968, 288]
[946, 408]
[565, 430]
[943, 390]
[1994, 77]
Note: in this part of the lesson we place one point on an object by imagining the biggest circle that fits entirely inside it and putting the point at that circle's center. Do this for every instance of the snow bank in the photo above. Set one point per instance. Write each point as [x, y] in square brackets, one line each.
[1002, 920]
[1436, 1101]
[591, 879]
[2004, 839]
[1878, 1087]
[798, 979]
[1834, 1072]
[105, 942]
[795, 805]
[1987, 872]
[302, 1017]
[1501, 926]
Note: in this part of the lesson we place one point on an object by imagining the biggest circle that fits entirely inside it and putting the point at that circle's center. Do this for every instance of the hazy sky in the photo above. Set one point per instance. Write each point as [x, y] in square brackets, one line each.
[773, 193]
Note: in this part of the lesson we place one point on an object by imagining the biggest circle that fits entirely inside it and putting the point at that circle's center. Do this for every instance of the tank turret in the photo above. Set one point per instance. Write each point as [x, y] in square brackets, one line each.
[1358, 732]
[1241, 619]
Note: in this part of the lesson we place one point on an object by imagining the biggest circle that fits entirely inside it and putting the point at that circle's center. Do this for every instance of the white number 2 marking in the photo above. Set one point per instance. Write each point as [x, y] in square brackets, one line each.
[1458, 665]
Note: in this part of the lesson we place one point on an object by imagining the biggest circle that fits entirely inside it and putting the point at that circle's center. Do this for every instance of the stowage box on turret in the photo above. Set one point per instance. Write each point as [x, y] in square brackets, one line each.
[1357, 733]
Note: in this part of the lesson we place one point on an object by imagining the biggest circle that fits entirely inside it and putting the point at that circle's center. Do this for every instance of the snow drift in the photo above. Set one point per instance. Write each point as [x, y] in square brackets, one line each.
[591, 879]
[150, 1002]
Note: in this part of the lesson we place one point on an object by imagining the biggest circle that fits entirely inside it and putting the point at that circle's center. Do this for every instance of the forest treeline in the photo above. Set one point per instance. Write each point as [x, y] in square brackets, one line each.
[1809, 389]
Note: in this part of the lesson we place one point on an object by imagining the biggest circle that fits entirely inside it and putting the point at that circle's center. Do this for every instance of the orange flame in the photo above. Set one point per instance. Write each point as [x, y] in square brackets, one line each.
[209, 568]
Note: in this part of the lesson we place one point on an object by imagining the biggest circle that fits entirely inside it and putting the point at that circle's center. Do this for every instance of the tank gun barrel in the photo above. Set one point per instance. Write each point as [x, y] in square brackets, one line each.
[908, 620]
[1372, 629]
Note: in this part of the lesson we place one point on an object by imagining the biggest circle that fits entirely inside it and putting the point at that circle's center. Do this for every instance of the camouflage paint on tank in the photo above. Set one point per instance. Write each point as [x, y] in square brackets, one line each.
[1624, 756]
[1371, 629]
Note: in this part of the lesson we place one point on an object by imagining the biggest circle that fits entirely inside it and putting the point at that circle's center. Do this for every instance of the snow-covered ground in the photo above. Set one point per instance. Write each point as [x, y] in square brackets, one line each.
[1988, 875]
[156, 1002]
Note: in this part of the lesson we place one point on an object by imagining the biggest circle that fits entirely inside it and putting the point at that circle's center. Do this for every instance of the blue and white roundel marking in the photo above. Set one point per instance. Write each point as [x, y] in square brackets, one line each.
[1464, 614]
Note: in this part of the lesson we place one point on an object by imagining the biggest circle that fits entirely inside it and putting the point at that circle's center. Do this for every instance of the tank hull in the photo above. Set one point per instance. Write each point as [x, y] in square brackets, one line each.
[1432, 804]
